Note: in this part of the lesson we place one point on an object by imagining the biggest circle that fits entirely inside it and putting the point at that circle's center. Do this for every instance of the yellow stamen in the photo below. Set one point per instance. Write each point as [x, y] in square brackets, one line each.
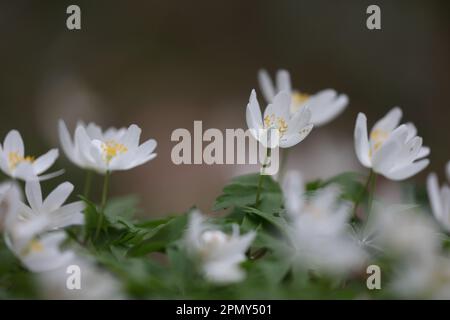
[112, 148]
[377, 137]
[15, 159]
[34, 246]
[278, 123]
[298, 99]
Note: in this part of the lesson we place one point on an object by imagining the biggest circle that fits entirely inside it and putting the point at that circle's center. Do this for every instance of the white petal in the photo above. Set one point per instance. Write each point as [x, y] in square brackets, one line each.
[293, 189]
[45, 161]
[328, 112]
[70, 214]
[94, 131]
[266, 85]
[283, 81]
[390, 121]
[57, 197]
[434, 196]
[253, 113]
[361, 140]
[293, 139]
[34, 195]
[423, 152]
[280, 106]
[131, 137]
[408, 171]
[66, 141]
[13, 143]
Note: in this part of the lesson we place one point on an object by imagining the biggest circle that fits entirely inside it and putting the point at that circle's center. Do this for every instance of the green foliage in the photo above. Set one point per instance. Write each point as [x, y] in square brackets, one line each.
[148, 257]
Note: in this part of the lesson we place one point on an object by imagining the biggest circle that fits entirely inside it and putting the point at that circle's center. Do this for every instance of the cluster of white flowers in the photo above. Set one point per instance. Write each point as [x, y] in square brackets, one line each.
[318, 224]
[34, 230]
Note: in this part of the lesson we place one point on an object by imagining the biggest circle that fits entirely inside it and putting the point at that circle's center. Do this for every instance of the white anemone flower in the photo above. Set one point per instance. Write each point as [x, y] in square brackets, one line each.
[219, 254]
[325, 105]
[440, 199]
[94, 282]
[43, 253]
[17, 165]
[320, 229]
[393, 151]
[289, 129]
[43, 215]
[111, 150]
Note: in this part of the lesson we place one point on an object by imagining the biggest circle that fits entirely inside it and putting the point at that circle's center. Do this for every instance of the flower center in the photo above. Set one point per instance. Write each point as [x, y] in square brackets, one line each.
[298, 99]
[377, 138]
[112, 149]
[15, 159]
[276, 122]
[34, 246]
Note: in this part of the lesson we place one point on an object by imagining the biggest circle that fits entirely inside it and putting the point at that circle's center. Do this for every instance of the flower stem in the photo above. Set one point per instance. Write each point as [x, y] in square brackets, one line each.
[363, 191]
[284, 157]
[261, 176]
[103, 203]
[87, 184]
[371, 194]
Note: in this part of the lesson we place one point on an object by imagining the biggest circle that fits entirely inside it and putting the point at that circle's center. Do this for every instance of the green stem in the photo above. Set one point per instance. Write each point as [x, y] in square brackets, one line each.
[284, 157]
[371, 194]
[103, 204]
[363, 191]
[261, 176]
[87, 184]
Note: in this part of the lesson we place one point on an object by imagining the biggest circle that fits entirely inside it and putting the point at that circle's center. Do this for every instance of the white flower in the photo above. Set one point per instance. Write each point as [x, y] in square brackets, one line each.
[43, 215]
[219, 254]
[17, 165]
[43, 253]
[393, 151]
[289, 129]
[319, 229]
[440, 199]
[405, 232]
[325, 105]
[10, 196]
[95, 283]
[112, 150]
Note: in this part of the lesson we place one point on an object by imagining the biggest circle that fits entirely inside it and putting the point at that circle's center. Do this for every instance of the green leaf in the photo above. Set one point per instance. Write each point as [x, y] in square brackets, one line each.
[242, 192]
[122, 208]
[161, 236]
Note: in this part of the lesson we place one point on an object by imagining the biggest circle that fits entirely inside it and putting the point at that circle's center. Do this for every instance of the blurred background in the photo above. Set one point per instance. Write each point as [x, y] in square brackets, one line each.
[164, 64]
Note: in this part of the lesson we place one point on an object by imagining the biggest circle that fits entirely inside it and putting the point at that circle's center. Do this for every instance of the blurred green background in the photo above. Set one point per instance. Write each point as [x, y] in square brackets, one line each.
[164, 64]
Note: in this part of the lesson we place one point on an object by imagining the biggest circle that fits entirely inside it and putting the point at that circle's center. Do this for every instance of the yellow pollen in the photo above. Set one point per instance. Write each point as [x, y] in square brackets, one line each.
[112, 148]
[15, 159]
[34, 246]
[298, 99]
[278, 123]
[377, 137]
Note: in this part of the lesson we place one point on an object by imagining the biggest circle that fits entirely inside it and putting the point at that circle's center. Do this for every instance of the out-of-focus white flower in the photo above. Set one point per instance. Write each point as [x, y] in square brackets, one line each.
[320, 229]
[112, 150]
[411, 240]
[14, 162]
[325, 105]
[440, 199]
[10, 196]
[219, 254]
[404, 232]
[42, 253]
[424, 279]
[393, 151]
[43, 215]
[289, 129]
[95, 283]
